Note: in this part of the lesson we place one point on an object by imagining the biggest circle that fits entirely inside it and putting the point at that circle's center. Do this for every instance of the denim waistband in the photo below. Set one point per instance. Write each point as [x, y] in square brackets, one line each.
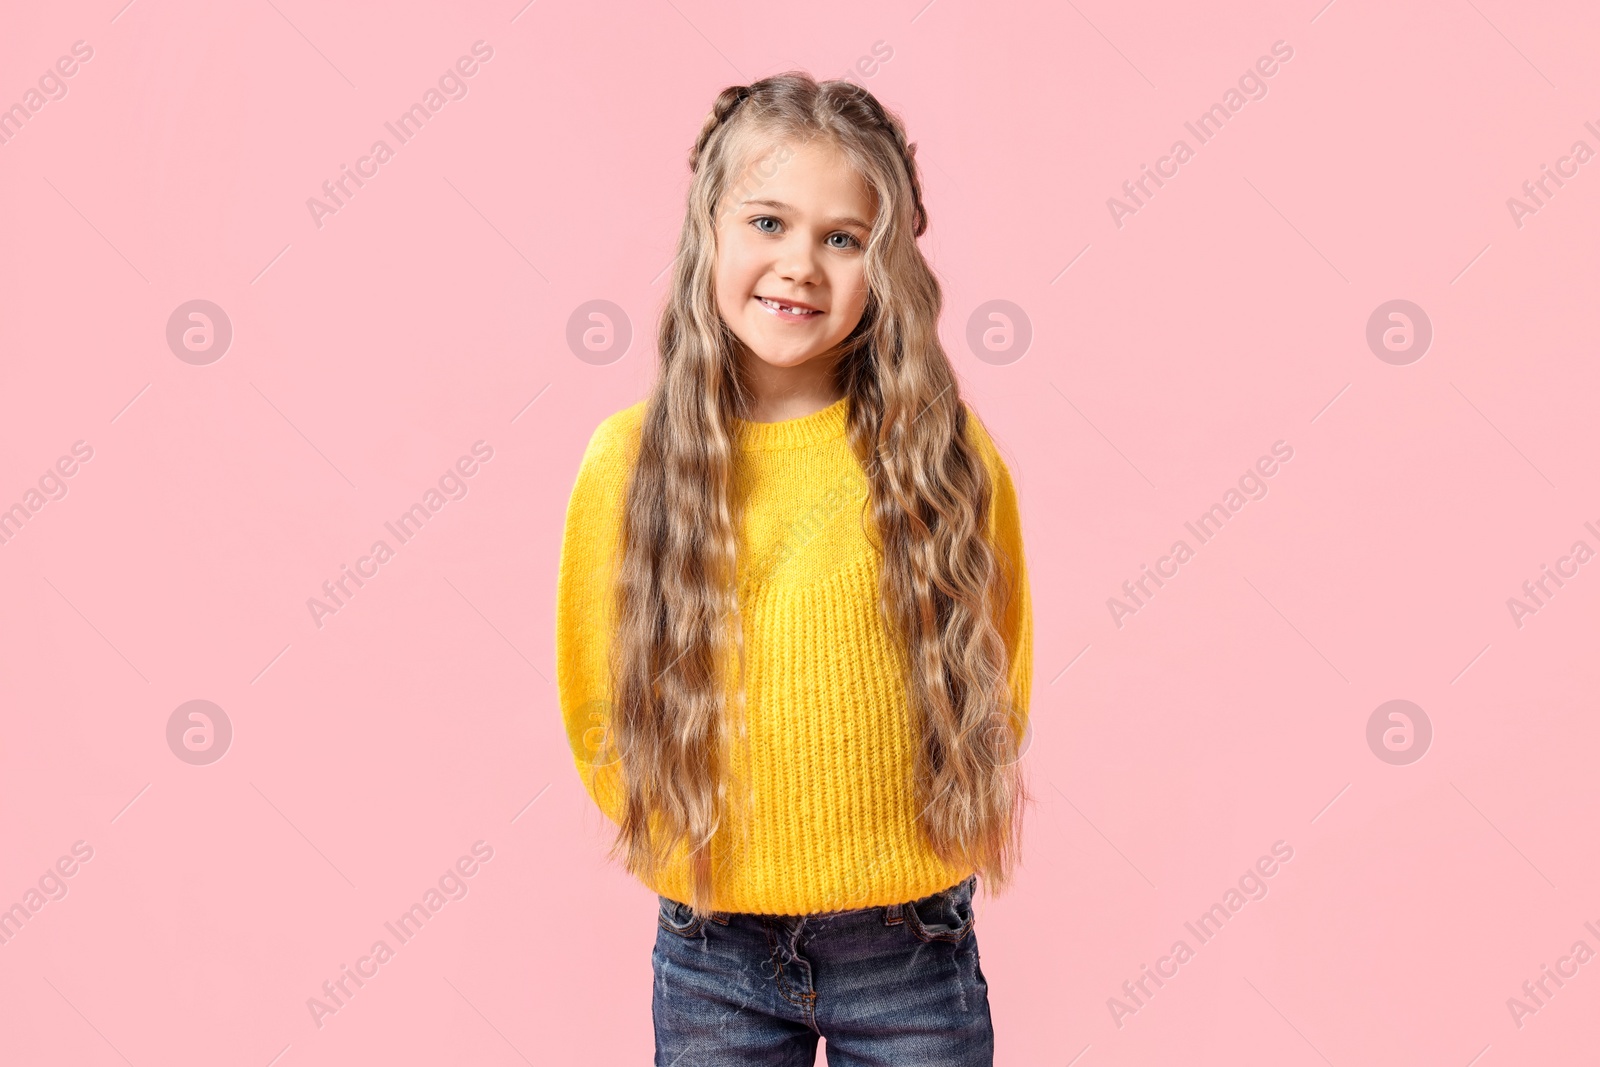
[892, 912]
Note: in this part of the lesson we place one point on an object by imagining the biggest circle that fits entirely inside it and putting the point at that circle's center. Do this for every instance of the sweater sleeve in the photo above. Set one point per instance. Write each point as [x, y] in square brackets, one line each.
[1005, 531]
[584, 610]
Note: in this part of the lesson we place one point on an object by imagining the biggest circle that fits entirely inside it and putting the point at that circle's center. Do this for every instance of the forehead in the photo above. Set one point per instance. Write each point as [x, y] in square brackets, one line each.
[810, 176]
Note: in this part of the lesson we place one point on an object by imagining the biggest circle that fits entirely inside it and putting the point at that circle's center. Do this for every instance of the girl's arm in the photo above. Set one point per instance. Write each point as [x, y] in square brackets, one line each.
[584, 609]
[1005, 531]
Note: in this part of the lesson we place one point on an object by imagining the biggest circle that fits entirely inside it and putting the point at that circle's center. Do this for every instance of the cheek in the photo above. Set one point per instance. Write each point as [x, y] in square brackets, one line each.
[736, 273]
[730, 298]
[855, 288]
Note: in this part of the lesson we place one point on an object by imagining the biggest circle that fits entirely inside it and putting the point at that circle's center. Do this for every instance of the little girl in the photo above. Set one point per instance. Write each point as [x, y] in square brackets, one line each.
[794, 633]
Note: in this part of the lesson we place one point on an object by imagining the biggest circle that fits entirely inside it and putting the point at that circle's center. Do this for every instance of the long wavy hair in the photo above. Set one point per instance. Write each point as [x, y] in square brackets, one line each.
[943, 585]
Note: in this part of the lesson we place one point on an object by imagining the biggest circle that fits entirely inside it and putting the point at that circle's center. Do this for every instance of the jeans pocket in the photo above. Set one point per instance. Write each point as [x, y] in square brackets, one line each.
[944, 916]
[679, 918]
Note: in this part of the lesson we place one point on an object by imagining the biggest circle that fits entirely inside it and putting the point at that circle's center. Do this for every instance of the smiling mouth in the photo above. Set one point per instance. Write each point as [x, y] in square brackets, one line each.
[787, 309]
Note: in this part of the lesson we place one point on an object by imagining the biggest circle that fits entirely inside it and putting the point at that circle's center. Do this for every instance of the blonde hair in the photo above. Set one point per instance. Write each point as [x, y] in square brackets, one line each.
[943, 585]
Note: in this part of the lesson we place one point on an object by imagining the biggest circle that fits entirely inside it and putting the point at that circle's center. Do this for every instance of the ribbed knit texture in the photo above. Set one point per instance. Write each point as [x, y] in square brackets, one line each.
[822, 816]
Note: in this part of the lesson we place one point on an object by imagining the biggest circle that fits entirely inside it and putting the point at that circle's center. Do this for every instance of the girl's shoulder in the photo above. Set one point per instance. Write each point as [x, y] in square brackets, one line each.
[615, 440]
[608, 459]
[979, 437]
[1004, 519]
[620, 428]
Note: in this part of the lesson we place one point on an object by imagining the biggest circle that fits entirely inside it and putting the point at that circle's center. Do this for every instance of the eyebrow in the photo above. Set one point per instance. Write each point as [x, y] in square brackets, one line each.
[842, 220]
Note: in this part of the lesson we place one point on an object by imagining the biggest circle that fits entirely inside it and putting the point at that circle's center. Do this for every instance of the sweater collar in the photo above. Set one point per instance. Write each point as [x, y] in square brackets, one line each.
[819, 426]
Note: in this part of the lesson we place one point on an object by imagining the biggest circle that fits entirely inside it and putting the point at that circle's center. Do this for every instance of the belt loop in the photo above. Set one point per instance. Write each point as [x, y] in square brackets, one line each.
[891, 914]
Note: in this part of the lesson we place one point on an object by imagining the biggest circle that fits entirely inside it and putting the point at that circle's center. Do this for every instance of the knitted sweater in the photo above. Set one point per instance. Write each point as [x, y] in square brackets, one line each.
[825, 819]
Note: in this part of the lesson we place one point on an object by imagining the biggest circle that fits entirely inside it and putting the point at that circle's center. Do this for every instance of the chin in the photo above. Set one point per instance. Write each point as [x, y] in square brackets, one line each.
[783, 359]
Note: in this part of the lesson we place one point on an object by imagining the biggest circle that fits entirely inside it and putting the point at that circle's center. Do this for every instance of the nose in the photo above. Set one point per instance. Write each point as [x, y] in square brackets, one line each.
[797, 261]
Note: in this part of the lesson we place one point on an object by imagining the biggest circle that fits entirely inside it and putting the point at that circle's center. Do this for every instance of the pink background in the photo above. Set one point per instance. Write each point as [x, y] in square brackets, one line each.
[432, 311]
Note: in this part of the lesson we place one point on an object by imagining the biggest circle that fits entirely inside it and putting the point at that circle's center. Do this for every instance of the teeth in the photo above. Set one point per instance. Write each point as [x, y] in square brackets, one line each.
[786, 307]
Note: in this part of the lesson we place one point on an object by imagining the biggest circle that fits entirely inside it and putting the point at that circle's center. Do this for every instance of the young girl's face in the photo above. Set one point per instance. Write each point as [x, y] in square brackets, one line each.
[792, 230]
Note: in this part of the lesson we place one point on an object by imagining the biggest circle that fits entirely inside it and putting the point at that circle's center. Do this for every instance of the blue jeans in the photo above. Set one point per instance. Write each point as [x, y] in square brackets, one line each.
[889, 985]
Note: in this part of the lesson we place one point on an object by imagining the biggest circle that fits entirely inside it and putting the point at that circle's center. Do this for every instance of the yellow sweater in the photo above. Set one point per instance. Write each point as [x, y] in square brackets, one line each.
[829, 821]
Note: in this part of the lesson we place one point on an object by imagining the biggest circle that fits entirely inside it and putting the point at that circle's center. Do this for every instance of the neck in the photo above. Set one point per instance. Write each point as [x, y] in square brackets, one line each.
[779, 393]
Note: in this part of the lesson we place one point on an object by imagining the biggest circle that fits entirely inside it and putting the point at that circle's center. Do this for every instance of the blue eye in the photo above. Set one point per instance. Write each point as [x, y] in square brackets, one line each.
[759, 219]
